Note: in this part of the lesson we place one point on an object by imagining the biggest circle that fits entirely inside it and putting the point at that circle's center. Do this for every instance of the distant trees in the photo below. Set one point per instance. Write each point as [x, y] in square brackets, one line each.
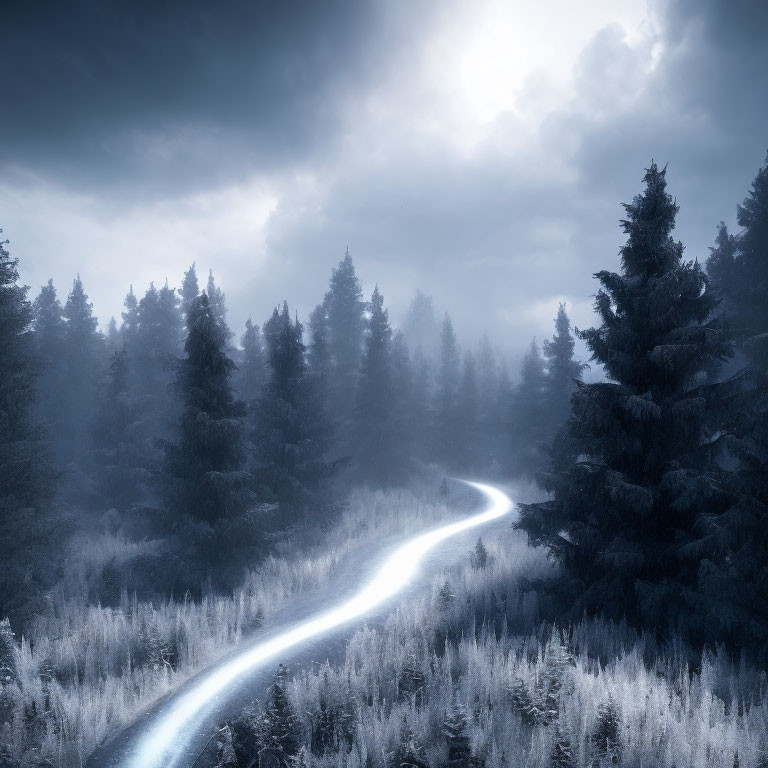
[251, 372]
[629, 518]
[528, 418]
[26, 472]
[736, 582]
[206, 490]
[446, 409]
[292, 432]
[563, 371]
[377, 426]
[344, 307]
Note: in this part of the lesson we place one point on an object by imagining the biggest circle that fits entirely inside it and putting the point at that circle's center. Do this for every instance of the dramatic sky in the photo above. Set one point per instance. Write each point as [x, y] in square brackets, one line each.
[476, 149]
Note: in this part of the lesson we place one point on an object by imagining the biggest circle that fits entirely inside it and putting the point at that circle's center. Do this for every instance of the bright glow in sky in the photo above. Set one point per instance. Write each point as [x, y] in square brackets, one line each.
[160, 746]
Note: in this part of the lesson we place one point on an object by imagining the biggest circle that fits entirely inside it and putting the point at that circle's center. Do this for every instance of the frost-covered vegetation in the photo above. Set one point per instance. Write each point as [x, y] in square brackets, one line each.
[469, 676]
[85, 670]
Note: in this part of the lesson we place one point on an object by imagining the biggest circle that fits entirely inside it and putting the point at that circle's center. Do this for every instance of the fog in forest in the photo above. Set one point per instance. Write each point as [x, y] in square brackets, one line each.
[384, 384]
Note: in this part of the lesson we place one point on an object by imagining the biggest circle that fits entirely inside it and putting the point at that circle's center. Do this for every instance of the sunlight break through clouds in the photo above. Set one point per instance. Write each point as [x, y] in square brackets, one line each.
[162, 742]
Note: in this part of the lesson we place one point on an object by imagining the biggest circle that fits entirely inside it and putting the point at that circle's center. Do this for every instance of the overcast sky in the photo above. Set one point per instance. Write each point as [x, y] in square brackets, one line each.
[475, 149]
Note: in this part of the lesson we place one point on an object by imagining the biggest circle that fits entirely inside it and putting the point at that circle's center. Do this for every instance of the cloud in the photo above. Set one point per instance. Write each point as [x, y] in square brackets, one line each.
[478, 151]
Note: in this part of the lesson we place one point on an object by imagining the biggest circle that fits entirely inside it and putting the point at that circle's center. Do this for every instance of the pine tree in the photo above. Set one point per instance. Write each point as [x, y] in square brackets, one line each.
[562, 370]
[404, 416]
[447, 422]
[190, 290]
[420, 328]
[489, 417]
[468, 420]
[736, 582]
[346, 325]
[455, 730]
[379, 454]
[629, 521]
[218, 304]
[26, 475]
[83, 360]
[206, 490]
[528, 413]
[420, 415]
[319, 354]
[114, 461]
[114, 341]
[49, 348]
[292, 432]
[279, 724]
[130, 319]
[251, 374]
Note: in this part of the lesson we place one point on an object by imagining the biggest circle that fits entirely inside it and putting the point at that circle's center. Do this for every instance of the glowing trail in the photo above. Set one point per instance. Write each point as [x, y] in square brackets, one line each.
[157, 747]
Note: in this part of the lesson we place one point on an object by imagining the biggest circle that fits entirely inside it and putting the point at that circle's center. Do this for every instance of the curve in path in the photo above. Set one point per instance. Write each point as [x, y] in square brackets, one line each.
[156, 749]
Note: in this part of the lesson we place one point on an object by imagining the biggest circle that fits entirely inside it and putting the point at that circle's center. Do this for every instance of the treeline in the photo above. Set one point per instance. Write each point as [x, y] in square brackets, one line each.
[659, 481]
[214, 446]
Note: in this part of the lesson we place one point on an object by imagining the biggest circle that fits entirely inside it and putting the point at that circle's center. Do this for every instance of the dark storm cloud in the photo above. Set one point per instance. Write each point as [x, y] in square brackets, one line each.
[100, 90]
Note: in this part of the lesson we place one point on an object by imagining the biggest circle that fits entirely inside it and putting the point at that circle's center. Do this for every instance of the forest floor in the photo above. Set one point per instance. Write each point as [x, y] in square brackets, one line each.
[86, 671]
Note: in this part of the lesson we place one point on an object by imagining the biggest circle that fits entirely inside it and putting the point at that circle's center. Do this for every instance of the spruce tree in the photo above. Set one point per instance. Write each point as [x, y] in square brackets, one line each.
[218, 304]
[279, 727]
[292, 432]
[468, 415]
[50, 352]
[528, 414]
[446, 412]
[114, 461]
[206, 490]
[378, 455]
[346, 325]
[420, 416]
[736, 582]
[114, 341]
[190, 290]
[562, 370]
[420, 328]
[404, 416]
[251, 373]
[629, 521]
[319, 353]
[130, 319]
[26, 474]
[83, 361]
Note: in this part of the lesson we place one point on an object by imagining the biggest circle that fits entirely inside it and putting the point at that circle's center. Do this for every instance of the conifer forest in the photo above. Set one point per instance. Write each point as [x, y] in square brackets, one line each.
[384, 384]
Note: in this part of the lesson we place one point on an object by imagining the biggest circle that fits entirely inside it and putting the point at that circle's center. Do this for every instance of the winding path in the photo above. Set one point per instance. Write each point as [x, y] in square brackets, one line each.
[170, 735]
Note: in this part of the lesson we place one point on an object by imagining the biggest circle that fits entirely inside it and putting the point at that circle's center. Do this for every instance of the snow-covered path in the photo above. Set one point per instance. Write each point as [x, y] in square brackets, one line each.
[170, 735]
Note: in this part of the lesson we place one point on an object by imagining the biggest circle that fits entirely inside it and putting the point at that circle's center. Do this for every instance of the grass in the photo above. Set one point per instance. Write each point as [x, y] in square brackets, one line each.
[531, 695]
[86, 671]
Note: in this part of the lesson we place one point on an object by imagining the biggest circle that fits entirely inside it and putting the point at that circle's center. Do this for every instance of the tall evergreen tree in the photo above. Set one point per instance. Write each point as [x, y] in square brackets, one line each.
[190, 290]
[737, 581]
[218, 304]
[206, 490]
[251, 374]
[346, 325]
[491, 420]
[26, 475]
[114, 341]
[49, 347]
[420, 415]
[629, 518]
[528, 413]
[562, 370]
[319, 353]
[378, 454]
[420, 328]
[130, 319]
[292, 431]
[468, 414]
[83, 361]
[446, 411]
[114, 461]
[405, 419]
